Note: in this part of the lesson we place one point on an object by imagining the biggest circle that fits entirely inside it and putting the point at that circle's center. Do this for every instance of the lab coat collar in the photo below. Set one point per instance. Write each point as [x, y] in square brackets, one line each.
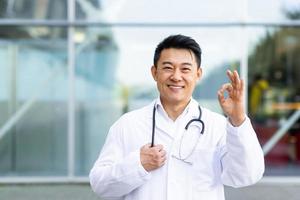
[191, 108]
[165, 124]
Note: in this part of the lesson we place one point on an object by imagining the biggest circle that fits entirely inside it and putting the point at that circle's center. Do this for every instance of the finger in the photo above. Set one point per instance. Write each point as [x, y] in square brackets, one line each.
[160, 156]
[163, 161]
[226, 87]
[221, 91]
[221, 97]
[230, 76]
[146, 146]
[237, 80]
[163, 153]
[236, 74]
[234, 80]
[159, 147]
[163, 158]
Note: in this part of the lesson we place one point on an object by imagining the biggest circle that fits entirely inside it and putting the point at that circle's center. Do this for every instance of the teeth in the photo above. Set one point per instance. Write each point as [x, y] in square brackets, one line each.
[173, 86]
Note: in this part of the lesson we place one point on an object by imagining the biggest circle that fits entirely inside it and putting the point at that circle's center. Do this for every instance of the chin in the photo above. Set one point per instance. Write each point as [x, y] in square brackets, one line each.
[176, 100]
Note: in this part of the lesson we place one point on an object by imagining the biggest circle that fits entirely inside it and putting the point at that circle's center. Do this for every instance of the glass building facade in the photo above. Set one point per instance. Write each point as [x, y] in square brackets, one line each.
[70, 68]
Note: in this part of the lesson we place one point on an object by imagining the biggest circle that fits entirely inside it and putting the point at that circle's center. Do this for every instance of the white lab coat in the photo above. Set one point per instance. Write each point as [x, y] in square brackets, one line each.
[224, 155]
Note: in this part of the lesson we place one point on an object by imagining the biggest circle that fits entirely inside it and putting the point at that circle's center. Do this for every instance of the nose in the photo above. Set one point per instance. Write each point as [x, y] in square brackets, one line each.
[176, 75]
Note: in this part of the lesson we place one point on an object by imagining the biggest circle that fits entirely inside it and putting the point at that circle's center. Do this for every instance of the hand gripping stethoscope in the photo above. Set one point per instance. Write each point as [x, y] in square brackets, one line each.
[186, 128]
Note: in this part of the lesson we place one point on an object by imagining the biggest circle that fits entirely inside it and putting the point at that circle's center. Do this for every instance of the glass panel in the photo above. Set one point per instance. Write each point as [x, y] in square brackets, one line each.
[274, 93]
[174, 11]
[33, 101]
[273, 10]
[33, 9]
[113, 76]
[97, 103]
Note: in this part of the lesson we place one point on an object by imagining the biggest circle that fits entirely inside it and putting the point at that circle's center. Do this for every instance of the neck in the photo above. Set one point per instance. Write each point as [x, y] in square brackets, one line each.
[174, 109]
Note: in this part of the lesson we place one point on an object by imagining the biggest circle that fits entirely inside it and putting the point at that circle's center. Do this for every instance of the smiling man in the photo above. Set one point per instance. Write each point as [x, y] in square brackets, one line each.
[174, 148]
[176, 74]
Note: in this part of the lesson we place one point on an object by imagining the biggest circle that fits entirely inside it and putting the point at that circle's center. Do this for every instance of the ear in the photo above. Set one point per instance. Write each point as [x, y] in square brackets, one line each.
[154, 72]
[199, 73]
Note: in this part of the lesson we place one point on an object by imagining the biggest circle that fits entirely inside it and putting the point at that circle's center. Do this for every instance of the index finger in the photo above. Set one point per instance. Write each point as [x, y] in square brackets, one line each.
[146, 146]
[159, 147]
[235, 79]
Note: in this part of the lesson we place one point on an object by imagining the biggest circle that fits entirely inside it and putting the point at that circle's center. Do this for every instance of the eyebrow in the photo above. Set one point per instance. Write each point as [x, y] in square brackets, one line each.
[190, 64]
[167, 63]
[170, 63]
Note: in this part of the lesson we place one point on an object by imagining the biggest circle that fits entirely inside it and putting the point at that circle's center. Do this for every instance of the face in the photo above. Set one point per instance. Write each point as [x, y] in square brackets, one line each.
[176, 75]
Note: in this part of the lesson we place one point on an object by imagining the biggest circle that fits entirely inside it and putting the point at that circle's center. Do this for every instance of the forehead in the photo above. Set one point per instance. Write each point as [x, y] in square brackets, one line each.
[177, 56]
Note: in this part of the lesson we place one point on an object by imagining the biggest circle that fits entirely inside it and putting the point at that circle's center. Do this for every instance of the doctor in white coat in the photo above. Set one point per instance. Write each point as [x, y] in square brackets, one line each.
[174, 148]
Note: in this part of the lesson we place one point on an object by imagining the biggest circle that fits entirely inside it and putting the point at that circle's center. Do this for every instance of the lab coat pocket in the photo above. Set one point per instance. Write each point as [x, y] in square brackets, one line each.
[206, 168]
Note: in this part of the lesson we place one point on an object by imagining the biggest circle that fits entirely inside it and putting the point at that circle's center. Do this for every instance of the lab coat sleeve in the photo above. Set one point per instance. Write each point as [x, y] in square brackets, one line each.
[242, 158]
[115, 174]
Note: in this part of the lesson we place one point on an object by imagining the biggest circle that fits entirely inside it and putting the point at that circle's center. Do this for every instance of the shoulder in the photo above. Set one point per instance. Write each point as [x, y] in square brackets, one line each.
[215, 127]
[129, 118]
[141, 113]
[214, 120]
[211, 115]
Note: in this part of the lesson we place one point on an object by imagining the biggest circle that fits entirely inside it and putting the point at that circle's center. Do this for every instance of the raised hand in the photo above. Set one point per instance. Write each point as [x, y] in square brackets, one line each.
[233, 105]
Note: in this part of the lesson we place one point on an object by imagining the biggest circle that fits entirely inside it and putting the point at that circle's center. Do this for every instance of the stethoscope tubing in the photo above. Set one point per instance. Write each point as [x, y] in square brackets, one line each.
[186, 127]
[153, 126]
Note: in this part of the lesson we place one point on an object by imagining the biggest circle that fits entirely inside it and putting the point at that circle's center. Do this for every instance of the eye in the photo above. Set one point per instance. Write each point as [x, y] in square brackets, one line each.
[166, 67]
[186, 69]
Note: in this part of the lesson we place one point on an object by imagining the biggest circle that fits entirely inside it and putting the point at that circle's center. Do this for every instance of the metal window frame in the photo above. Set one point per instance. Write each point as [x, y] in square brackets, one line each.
[71, 99]
[72, 22]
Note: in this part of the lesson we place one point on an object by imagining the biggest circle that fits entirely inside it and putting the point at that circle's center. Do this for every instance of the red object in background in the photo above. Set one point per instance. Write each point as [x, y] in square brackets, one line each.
[279, 154]
[297, 136]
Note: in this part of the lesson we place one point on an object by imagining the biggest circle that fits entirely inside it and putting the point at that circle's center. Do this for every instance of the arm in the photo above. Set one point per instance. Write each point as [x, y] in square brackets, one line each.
[115, 174]
[241, 157]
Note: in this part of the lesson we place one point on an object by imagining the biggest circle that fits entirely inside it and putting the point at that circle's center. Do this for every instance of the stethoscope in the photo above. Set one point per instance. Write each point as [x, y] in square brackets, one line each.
[186, 128]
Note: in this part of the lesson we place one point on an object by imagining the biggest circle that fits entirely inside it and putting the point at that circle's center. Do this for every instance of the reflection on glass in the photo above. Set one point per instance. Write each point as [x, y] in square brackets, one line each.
[33, 103]
[33, 9]
[273, 10]
[97, 105]
[141, 11]
[274, 94]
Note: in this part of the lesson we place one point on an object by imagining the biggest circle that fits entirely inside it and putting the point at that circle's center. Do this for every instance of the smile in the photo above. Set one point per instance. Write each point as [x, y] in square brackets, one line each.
[175, 86]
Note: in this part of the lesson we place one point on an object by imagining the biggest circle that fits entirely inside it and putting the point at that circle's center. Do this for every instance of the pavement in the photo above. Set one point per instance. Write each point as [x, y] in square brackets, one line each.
[84, 192]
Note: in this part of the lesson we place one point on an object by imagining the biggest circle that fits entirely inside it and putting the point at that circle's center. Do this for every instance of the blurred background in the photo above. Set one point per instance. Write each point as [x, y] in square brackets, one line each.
[70, 68]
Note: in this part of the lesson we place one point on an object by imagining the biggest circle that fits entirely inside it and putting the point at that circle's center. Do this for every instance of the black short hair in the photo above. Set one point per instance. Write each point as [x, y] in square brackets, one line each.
[178, 42]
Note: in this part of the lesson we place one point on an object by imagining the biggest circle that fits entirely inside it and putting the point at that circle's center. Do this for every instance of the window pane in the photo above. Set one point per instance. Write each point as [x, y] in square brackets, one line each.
[97, 103]
[274, 94]
[273, 10]
[174, 11]
[33, 9]
[33, 101]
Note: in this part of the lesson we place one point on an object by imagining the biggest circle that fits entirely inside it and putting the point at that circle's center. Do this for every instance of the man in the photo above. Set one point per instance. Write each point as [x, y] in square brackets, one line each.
[194, 151]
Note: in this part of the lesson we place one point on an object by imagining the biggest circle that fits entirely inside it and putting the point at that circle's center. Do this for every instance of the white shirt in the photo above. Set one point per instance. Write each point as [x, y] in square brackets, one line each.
[223, 155]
